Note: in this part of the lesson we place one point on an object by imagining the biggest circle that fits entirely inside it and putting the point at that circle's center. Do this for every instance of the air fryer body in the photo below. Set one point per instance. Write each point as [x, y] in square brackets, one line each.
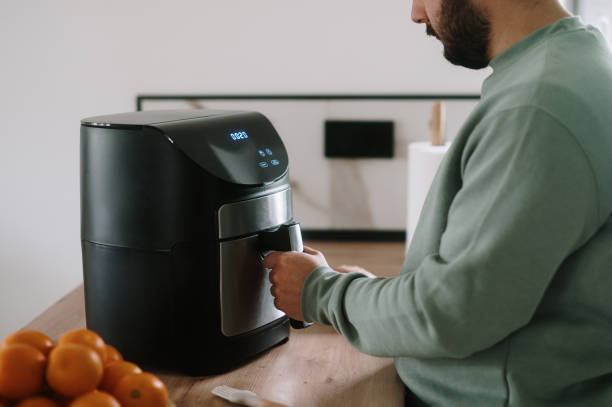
[172, 204]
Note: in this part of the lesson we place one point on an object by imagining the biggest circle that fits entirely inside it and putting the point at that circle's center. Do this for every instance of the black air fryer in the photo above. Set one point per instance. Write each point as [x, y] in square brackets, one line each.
[177, 208]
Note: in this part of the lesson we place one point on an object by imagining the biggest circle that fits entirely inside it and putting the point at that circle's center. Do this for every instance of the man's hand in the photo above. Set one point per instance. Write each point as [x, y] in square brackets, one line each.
[289, 270]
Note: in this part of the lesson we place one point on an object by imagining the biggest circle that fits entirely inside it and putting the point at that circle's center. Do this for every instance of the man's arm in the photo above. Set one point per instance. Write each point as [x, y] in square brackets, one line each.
[528, 201]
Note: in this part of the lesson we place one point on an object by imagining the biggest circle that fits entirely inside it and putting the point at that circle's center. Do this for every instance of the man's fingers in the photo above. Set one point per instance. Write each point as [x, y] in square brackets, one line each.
[273, 277]
[271, 259]
[310, 250]
[343, 268]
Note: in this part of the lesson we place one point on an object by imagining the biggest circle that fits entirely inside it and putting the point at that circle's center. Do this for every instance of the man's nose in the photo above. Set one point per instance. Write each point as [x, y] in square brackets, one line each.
[418, 12]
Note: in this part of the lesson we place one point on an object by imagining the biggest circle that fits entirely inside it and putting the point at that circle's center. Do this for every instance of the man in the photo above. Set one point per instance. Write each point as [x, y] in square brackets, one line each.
[504, 298]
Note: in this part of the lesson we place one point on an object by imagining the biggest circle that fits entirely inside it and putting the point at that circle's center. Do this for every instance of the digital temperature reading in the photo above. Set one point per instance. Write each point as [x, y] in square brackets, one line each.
[239, 135]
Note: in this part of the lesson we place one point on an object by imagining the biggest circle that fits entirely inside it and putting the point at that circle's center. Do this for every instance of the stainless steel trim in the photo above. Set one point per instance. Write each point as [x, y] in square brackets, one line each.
[246, 302]
[253, 215]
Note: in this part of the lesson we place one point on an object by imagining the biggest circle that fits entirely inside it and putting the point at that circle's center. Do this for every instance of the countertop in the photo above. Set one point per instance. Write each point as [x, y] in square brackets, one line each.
[316, 367]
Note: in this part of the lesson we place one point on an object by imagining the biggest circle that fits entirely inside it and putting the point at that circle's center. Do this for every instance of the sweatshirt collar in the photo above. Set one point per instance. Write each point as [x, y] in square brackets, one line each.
[512, 54]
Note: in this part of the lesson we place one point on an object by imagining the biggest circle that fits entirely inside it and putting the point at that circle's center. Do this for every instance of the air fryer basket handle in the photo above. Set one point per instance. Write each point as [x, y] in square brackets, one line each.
[287, 237]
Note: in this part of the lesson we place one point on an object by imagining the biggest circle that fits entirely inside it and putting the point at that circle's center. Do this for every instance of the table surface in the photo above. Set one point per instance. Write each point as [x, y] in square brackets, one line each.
[316, 367]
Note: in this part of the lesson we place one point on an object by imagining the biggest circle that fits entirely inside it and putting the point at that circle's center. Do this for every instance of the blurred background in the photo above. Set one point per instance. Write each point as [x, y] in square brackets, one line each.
[68, 59]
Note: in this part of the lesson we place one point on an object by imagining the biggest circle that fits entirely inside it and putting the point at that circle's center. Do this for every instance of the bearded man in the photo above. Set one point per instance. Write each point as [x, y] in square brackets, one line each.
[504, 298]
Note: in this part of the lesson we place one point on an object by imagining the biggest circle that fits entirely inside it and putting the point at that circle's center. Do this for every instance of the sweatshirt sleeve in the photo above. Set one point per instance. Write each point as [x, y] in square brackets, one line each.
[527, 201]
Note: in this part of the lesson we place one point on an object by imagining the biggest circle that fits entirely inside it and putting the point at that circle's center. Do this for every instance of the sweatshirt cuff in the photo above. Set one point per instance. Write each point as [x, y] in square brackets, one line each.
[317, 289]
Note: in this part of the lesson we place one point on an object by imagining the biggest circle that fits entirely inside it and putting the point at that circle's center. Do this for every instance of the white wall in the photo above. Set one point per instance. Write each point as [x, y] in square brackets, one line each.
[63, 60]
[598, 13]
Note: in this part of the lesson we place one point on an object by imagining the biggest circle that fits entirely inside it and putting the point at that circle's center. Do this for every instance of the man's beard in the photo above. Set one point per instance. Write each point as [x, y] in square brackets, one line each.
[464, 32]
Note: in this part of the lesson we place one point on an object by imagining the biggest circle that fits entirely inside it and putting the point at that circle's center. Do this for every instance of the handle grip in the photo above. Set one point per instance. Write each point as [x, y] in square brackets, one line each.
[297, 324]
[286, 238]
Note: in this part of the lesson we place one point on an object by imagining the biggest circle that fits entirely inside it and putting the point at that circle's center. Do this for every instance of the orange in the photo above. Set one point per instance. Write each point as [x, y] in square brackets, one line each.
[22, 370]
[84, 337]
[30, 337]
[95, 399]
[60, 400]
[111, 354]
[37, 402]
[115, 372]
[141, 390]
[74, 369]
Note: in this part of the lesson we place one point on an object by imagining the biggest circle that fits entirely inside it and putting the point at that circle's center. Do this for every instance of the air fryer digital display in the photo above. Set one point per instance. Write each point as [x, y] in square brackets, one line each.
[265, 156]
[242, 149]
[238, 136]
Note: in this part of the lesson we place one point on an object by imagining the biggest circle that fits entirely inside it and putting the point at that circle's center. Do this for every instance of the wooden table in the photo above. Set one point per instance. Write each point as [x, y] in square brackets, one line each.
[317, 367]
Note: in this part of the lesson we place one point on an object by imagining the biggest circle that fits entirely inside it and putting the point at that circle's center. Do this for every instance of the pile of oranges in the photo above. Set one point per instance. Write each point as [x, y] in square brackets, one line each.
[80, 370]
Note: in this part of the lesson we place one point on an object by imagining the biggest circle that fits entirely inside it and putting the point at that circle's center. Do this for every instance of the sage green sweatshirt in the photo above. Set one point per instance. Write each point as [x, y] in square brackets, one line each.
[505, 295]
